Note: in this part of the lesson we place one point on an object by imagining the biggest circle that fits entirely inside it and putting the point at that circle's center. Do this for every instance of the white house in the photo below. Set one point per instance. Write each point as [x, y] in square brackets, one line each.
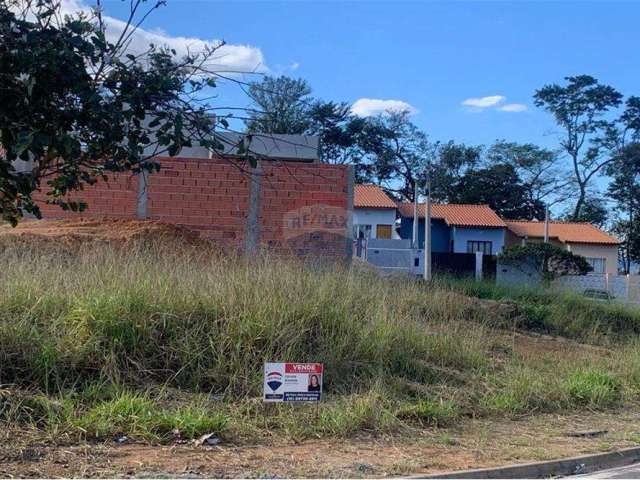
[598, 247]
[374, 214]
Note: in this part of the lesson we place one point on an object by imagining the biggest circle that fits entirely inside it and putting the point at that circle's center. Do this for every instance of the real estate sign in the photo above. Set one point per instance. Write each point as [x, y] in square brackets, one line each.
[292, 382]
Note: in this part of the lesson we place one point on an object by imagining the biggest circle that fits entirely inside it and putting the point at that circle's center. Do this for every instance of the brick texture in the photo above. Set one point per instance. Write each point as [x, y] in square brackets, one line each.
[303, 207]
[115, 198]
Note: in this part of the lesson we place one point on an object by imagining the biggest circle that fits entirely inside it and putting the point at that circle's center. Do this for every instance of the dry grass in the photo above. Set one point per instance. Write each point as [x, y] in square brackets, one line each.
[146, 337]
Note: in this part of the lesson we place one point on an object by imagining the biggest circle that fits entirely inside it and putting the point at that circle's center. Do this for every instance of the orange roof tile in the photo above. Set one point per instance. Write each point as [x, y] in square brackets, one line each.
[567, 232]
[458, 215]
[371, 196]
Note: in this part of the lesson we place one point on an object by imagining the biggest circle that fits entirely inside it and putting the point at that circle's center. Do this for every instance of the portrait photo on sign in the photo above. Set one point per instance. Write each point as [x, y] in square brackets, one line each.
[315, 383]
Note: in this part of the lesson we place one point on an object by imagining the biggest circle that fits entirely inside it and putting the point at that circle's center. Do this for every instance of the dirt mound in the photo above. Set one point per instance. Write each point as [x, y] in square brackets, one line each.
[72, 233]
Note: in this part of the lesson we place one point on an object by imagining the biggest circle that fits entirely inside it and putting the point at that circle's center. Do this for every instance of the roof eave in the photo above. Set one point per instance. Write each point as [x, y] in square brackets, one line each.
[377, 207]
[586, 242]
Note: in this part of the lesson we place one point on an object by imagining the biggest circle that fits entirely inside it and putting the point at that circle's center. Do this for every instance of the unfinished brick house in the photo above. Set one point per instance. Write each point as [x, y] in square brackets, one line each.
[290, 202]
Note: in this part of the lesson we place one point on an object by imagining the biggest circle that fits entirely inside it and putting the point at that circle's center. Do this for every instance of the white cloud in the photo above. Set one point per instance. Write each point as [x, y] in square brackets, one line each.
[367, 107]
[227, 58]
[294, 66]
[513, 107]
[484, 102]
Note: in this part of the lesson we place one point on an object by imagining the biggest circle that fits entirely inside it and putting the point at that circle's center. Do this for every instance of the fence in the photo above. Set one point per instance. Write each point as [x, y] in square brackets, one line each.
[397, 256]
[292, 207]
[393, 256]
[624, 288]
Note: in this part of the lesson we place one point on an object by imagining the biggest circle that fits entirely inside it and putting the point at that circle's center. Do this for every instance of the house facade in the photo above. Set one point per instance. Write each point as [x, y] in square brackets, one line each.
[456, 228]
[598, 247]
[374, 214]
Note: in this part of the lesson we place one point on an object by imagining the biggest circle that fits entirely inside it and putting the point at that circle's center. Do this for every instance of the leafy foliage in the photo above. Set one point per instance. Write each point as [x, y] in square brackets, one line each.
[499, 187]
[549, 260]
[624, 189]
[537, 168]
[582, 109]
[284, 105]
[76, 107]
[594, 211]
[280, 105]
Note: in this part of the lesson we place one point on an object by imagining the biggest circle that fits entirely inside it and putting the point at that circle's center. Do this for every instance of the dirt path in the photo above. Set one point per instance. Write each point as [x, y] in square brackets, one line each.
[476, 443]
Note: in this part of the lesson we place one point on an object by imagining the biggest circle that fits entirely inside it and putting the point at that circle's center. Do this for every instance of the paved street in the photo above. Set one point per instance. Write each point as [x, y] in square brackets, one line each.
[630, 471]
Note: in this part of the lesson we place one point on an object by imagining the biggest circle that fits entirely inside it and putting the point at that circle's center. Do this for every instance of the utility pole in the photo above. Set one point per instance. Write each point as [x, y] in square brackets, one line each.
[414, 238]
[427, 229]
[546, 224]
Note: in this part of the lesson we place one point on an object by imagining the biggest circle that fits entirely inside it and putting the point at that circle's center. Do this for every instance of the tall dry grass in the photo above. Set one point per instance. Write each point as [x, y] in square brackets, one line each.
[150, 337]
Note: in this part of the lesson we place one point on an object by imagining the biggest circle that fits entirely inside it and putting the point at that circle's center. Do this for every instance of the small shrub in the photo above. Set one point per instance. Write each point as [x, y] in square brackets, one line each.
[138, 416]
[437, 413]
[191, 422]
[367, 412]
[594, 388]
[34, 409]
[524, 389]
[126, 414]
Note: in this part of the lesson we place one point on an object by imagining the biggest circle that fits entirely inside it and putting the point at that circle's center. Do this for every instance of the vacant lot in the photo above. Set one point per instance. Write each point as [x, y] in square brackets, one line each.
[157, 339]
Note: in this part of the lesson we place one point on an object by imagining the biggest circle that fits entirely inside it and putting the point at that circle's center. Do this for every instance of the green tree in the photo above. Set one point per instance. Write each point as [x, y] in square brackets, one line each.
[398, 154]
[624, 189]
[581, 110]
[464, 174]
[452, 161]
[593, 211]
[280, 105]
[75, 107]
[500, 187]
[550, 261]
[537, 167]
[344, 138]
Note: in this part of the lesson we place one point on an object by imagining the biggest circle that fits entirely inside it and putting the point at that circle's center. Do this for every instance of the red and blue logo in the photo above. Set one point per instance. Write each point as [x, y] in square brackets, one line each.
[274, 380]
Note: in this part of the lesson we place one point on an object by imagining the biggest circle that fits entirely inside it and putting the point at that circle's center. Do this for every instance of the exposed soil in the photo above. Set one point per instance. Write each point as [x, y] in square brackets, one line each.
[473, 444]
[86, 231]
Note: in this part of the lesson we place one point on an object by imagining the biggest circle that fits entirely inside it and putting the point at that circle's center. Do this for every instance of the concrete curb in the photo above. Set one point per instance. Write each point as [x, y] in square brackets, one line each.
[553, 468]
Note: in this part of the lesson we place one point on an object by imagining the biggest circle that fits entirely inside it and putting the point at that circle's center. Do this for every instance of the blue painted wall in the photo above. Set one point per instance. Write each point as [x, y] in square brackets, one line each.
[493, 235]
[442, 235]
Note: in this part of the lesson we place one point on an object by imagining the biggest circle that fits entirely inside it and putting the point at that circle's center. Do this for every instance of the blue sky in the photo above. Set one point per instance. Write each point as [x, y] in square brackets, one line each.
[431, 55]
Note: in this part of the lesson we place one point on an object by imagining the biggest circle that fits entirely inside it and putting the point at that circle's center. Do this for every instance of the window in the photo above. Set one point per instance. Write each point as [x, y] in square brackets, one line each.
[362, 231]
[598, 264]
[474, 246]
[383, 231]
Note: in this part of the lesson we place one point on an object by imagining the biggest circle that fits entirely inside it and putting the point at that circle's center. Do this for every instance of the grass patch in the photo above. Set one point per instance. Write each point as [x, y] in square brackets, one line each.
[436, 413]
[556, 312]
[137, 415]
[593, 388]
[145, 341]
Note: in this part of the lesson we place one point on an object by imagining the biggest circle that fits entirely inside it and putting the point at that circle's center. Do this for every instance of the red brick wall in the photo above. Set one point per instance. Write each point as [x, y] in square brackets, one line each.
[302, 207]
[116, 198]
[210, 196]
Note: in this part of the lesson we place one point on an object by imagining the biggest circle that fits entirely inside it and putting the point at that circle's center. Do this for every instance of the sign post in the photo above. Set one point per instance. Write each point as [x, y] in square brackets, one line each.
[292, 382]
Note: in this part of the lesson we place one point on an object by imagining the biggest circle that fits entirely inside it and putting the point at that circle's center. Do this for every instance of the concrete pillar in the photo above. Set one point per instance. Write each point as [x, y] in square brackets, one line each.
[349, 232]
[478, 266]
[143, 183]
[252, 239]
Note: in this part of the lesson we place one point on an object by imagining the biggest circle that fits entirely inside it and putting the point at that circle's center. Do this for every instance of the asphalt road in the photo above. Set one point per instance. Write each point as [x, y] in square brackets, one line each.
[630, 471]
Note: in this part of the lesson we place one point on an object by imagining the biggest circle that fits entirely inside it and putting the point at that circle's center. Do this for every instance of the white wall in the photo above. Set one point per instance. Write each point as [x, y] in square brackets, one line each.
[376, 216]
[608, 252]
[621, 287]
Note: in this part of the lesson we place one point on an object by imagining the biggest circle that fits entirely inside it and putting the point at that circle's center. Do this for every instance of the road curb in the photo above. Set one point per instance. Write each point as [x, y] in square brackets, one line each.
[565, 466]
